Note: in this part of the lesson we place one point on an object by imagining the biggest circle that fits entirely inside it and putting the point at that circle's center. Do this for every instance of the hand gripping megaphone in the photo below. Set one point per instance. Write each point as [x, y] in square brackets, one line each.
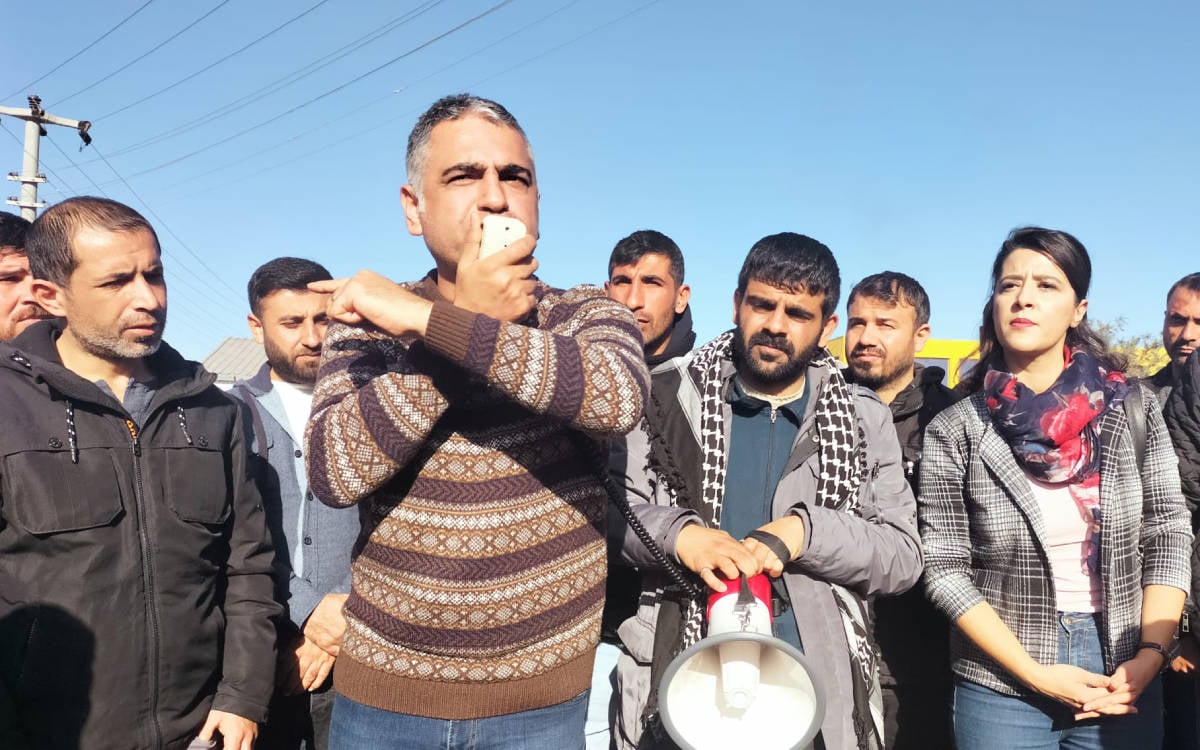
[740, 686]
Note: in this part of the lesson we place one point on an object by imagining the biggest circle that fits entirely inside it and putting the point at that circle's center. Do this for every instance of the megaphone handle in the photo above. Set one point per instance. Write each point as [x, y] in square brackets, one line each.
[745, 595]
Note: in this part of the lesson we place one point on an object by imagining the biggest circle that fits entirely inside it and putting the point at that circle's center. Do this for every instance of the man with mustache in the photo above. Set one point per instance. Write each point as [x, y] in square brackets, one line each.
[1180, 334]
[128, 511]
[312, 541]
[755, 455]
[887, 324]
[18, 308]
[1181, 337]
[645, 273]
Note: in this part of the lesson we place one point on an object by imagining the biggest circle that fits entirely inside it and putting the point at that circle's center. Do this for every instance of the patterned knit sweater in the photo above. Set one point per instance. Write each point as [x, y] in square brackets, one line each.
[480, 580]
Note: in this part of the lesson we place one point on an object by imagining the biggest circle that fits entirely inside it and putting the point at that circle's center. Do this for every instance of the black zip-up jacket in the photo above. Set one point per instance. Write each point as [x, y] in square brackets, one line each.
[135, 566]
[912, 636]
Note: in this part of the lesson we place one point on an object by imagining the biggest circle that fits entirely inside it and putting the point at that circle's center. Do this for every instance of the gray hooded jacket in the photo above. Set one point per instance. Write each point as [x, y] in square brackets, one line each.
[876, 551]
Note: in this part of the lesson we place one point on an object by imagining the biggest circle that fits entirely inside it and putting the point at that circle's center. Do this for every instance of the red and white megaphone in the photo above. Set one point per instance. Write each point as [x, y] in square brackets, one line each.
[740, 686]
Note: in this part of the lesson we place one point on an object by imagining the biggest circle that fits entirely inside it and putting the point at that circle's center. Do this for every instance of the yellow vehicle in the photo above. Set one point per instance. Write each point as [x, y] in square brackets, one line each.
[955, 356]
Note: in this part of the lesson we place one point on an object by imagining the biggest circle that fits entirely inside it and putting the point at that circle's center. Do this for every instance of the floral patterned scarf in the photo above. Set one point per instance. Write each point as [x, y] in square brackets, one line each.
[1053, 435]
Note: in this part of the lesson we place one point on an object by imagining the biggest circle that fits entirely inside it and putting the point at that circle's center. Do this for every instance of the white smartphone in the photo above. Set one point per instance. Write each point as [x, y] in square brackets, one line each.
[499, 232]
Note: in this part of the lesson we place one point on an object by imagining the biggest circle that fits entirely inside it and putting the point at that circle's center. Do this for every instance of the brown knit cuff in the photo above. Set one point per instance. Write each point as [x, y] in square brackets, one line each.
[449, 330]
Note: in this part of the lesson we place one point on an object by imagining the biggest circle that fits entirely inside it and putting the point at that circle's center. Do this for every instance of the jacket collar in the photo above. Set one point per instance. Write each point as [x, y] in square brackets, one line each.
[260, 385]
[997, 455]
[35, 353]
[681, 341]
[912, 398]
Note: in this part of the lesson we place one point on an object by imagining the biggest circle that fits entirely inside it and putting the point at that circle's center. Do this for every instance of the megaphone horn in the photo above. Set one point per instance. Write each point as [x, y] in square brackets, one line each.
[740, 686]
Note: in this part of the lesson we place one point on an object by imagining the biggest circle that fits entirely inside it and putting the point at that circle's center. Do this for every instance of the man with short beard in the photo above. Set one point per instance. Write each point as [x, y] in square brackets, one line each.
[18, 308]
[137, 604]
[755, 455]
[1180, 334]
[887, 324]
[312, 540]
[645, 273]
[1181, 338]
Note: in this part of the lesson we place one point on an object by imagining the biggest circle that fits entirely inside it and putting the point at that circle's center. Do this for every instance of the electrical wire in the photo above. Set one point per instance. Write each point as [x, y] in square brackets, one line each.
[330, 92]
[221, 280]
[80, 52]
[79, 169]
[144, 55]
[364, 131]
[215, 63]
[283, 82]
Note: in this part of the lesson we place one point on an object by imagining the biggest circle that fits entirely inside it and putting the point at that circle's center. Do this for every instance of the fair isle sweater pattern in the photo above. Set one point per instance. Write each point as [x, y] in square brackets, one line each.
[479, 587]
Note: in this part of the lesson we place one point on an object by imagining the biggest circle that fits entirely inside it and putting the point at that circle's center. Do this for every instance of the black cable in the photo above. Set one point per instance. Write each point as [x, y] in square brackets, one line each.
[163, 224]
[364, 131]
[213, 64]
[73, 164]
[281, 83]
[80, 52]
[334, 90]
[144, 55]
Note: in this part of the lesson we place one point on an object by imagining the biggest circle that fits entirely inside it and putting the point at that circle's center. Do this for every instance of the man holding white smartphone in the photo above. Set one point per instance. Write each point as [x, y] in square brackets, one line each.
[465, 410]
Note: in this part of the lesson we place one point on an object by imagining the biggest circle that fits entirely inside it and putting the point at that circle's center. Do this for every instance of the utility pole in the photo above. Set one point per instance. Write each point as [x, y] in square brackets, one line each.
[29, 178]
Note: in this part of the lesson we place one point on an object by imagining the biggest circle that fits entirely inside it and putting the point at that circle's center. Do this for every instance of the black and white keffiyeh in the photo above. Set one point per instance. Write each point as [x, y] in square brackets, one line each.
[673, 439]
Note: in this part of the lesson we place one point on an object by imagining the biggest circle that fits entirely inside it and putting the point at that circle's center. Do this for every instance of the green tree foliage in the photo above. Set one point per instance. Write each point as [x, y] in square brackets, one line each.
[1145, 351]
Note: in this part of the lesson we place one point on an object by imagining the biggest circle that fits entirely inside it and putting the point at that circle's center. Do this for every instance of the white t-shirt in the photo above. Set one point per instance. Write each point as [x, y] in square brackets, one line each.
[1076, 588]
[297, 402]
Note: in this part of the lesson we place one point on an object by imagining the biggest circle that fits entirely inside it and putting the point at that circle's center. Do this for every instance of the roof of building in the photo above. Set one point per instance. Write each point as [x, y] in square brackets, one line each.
[235, 359]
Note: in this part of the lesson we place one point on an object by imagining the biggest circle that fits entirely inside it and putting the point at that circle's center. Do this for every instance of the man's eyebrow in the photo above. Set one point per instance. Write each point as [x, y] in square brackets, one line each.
[470, 167]
[619, 277]
[515, 170]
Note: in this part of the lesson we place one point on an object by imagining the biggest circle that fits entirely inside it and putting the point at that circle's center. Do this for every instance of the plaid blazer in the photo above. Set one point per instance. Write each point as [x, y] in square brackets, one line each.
[985, 540]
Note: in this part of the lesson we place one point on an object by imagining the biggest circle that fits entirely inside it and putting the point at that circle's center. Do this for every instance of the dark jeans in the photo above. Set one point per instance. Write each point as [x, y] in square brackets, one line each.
[918, 717]
[298, 721]
[1181, 697]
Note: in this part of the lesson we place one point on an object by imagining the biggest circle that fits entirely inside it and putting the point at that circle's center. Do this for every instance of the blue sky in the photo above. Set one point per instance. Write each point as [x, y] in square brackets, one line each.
[909, 137]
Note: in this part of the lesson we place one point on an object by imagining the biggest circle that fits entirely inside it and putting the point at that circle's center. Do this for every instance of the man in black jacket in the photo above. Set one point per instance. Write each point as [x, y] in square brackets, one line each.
[1181, 333]
[887, 324]
[137, 567]
[645, 273]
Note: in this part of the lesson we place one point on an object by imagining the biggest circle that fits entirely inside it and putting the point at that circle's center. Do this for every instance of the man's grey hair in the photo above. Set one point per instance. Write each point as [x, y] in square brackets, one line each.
[453, 107]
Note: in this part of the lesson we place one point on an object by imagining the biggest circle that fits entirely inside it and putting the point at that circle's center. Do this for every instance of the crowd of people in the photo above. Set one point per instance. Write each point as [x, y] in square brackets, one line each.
[446, 511]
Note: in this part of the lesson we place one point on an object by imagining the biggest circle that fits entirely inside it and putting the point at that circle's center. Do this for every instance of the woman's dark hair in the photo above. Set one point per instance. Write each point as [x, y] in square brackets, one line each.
[1071, 256]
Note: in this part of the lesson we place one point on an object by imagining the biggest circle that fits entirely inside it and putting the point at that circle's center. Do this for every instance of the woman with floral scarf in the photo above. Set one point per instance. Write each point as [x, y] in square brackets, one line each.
[1062, 562]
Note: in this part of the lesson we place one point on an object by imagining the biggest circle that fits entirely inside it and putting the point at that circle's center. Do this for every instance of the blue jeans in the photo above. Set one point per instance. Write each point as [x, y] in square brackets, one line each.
[985, 719]
[359, 727]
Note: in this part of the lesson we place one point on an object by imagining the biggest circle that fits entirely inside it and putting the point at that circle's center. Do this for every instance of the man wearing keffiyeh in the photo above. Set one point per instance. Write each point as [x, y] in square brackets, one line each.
[756, 456]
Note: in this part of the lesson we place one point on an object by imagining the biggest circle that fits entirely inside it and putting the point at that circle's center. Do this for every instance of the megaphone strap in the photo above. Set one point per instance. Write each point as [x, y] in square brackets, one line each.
[773, 543]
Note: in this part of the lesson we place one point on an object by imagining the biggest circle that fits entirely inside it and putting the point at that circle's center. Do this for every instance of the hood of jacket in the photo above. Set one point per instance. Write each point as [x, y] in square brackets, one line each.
[913, 397]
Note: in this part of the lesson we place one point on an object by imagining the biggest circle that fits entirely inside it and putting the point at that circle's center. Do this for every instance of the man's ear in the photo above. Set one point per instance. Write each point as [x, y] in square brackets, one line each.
[737, 302]
[412, 210]
[49, 297]
[828, 329]
[920, 337]
[256, 327]
[681, 298]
